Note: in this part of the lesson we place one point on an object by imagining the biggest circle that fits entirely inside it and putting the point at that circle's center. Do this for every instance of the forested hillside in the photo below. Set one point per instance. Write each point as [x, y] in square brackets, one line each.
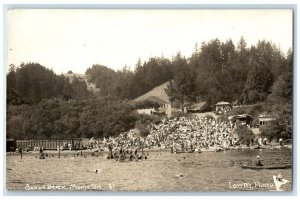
[59, 119]
[45, 105]
[31, 83]
[216, 71]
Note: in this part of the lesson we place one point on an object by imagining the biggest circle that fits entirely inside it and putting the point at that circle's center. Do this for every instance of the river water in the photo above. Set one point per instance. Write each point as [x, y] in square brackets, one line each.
[162, 171]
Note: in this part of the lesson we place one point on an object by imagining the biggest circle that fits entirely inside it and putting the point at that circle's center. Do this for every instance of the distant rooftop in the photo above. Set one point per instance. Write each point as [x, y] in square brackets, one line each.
[223, 103]
[243, 115]
[156, 99]
[155, 94]
[266, 116]
[239, 116]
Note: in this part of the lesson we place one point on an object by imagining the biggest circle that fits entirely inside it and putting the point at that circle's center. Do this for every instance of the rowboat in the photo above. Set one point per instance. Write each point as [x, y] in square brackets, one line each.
[266, 167]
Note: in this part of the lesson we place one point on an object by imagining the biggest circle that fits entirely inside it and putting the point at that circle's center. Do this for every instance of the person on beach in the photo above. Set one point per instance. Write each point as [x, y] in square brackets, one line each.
[21, 151]
[259, 162]
[265, 141]
[110, 150]
[281, 142]
[279, 182]
[42, 156]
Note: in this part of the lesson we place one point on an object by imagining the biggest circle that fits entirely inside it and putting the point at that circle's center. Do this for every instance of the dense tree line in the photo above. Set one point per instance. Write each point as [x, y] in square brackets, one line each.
[59, 119]
[131, 84]
[241, 75]
[216, 71]
[183, 84]
[276, 101]
[279, 103]
[30, 83]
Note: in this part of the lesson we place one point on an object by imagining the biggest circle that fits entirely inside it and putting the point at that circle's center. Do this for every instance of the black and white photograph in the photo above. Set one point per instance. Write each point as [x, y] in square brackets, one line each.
[149, 100]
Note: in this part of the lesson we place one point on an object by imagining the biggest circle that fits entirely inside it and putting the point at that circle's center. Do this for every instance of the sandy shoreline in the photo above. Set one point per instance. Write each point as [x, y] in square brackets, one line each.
[151, 150]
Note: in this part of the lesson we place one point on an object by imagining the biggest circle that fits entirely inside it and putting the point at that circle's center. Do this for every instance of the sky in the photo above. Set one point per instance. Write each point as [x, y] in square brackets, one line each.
[65, 40]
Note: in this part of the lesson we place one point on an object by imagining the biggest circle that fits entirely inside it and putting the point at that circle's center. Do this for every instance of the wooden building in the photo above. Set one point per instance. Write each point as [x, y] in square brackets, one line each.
[223, 107]
[243, 119]
[265, 119]
[164, 107]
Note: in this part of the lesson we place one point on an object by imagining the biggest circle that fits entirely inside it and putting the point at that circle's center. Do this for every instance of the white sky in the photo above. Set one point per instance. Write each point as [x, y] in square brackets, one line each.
[76, 39]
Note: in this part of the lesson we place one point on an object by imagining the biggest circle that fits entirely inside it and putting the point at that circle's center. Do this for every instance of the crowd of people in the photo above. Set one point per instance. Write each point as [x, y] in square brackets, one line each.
[178, 134]
[190, 133]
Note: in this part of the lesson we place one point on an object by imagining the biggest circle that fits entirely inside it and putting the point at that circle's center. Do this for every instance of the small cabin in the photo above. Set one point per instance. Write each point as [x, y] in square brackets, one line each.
[147, 111]
[154, 105]
[265, 120]
[223, 107]
[243, 119]
[196, 108]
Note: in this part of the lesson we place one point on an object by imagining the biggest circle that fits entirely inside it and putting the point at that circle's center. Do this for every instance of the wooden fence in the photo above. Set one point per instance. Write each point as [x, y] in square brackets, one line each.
[50, 144]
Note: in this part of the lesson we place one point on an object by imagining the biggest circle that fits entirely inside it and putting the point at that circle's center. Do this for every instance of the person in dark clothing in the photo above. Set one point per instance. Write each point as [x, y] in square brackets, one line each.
[41, 149]
[21, 152]
[110, 150]
[135, 152]
[42, 156]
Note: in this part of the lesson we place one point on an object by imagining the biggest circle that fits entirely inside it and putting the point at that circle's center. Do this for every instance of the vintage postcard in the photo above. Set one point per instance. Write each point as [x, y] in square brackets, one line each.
[149, 100]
